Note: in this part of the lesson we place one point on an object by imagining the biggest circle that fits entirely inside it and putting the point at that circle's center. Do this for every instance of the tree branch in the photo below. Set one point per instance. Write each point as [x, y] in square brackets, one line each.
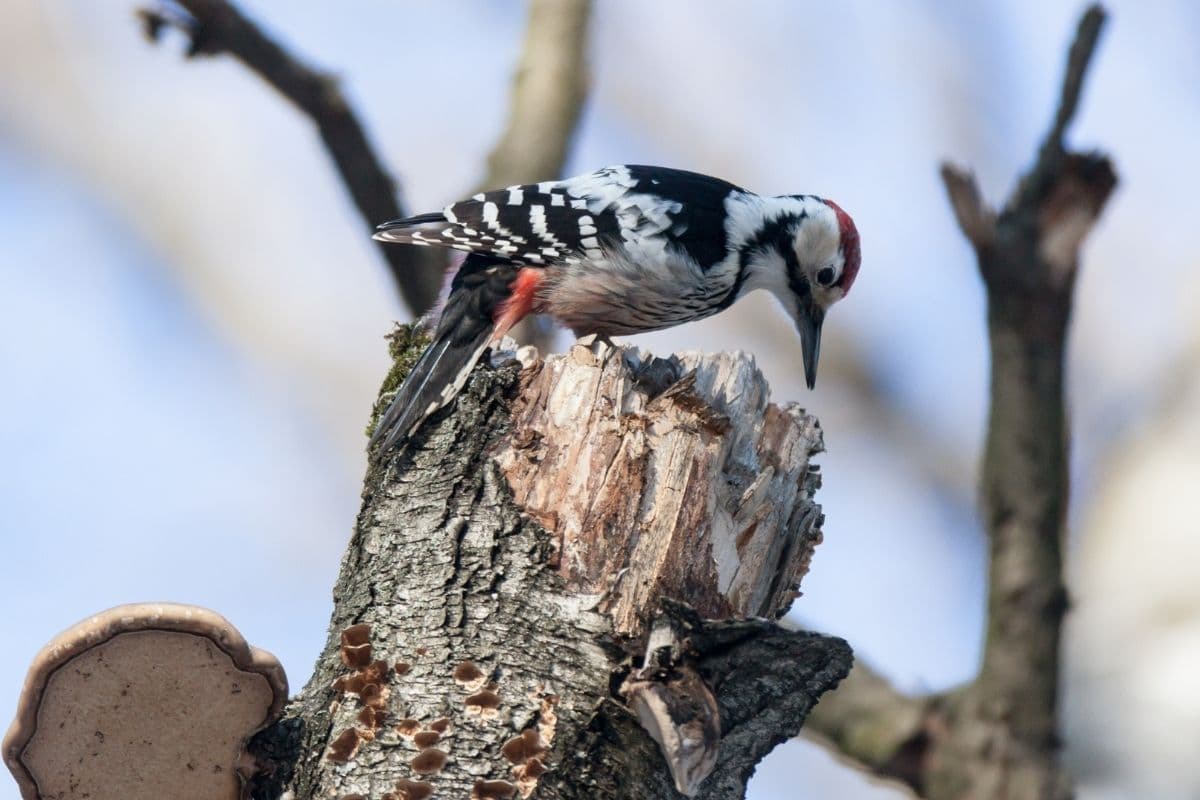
[998, 736]
[217, 26]
[877, 727]
[975, 218]
[1045, 173]
[1087, 35]
[1029, 273]
[549, 89]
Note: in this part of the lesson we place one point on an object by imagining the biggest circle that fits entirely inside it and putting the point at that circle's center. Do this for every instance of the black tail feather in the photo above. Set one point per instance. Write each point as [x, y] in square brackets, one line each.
[410, 222]
[462, 334]
[433, 382]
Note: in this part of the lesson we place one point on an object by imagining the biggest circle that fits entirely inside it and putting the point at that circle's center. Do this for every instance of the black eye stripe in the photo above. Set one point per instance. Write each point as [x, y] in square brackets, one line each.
[825, 276]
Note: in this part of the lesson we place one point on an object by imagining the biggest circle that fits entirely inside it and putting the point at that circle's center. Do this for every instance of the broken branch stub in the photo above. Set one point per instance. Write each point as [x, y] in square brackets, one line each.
[143, 702]
[666, 478]
[688, 485]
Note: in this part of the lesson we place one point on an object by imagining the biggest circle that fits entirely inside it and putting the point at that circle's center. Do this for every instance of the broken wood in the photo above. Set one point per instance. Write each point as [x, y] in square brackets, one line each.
[511, 562]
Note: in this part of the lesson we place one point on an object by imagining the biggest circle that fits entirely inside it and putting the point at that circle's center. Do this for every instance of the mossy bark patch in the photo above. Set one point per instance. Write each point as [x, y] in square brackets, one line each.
[405, 344]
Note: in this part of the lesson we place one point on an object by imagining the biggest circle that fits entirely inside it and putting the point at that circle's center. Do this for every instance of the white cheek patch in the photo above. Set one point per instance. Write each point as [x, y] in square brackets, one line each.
[817, 240]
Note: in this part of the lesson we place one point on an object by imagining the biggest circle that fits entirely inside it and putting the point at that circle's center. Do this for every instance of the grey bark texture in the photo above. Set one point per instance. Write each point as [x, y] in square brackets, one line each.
[509, 564]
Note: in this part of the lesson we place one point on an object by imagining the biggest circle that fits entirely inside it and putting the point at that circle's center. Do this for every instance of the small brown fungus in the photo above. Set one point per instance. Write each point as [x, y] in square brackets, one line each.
[375, 695]
[484, 703]
[429, 761]
[548, 719]
[523, 746]
[408, 789]
[357, 635]
[377, 671]
[425, 739]
[370, 717]
[527, 775]
[350, 684]
[422, 651]
[469, 676]
[344, 747]
[440, 725]
[356, 646]
[408, 728]
[369, 683]
[402, 667]
[493, 790]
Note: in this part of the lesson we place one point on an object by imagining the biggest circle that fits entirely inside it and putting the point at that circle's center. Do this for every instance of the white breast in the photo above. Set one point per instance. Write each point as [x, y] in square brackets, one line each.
[620, 294]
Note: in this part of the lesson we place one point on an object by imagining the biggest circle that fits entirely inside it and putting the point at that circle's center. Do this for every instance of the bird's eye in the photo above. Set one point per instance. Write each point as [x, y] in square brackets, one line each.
[825, 276]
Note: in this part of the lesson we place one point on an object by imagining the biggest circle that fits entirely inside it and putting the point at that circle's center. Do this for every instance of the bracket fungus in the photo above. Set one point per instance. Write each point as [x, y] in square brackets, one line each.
[143, 702]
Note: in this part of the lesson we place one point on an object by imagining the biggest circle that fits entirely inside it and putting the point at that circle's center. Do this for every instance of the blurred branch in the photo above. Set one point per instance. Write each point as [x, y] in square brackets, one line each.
[217, 26]
[976, 220]
[998, 736]
[877, 727]
[547, 98]
[1029, 273]
[1053, 151]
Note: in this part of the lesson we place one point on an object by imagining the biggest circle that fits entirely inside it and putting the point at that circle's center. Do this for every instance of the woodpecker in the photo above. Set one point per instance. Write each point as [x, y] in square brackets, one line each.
[622, 250]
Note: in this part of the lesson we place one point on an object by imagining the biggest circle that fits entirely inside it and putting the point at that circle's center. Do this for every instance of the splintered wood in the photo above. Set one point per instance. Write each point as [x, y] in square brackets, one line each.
[669, 477]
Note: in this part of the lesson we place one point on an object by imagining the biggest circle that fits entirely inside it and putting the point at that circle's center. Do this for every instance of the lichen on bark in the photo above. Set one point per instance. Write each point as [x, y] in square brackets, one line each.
[405, 343]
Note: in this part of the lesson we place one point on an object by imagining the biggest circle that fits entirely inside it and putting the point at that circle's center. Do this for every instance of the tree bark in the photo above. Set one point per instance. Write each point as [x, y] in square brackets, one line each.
[578, 550]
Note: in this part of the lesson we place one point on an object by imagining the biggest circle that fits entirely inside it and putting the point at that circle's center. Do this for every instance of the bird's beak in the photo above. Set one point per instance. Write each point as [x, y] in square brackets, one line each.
[808, 322]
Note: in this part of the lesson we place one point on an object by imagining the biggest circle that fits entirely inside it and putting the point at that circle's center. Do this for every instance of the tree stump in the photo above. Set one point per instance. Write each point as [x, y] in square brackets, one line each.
[564, 586]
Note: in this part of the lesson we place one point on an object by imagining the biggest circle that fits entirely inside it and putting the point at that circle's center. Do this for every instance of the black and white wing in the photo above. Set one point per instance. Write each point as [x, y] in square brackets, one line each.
[645, 210]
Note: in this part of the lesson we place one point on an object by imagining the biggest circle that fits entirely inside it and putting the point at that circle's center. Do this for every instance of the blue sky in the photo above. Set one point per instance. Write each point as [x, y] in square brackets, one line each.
[191, 316]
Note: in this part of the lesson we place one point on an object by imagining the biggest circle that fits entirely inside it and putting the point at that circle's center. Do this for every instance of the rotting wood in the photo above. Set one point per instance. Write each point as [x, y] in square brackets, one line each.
[514, 554]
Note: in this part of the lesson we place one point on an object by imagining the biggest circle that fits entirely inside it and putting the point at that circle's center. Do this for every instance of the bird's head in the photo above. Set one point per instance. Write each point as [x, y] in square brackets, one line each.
[821, 257]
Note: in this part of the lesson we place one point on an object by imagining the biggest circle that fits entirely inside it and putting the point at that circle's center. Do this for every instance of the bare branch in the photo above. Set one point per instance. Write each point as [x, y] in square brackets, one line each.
[548, 93]
[1086, 37]
[998, 736]
[1028, 274]
[975, 218]
[217, 26]
[878, 727]
[1053, 149]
